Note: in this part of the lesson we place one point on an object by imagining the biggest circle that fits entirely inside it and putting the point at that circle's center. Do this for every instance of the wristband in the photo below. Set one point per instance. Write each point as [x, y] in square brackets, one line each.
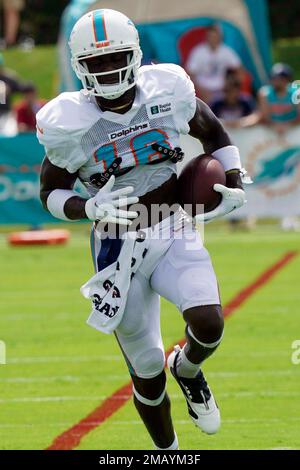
[229, 157]
[56, 202]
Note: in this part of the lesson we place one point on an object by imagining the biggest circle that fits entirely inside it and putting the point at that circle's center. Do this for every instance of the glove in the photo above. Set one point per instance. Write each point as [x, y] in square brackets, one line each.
[104, 207]
[232, 198]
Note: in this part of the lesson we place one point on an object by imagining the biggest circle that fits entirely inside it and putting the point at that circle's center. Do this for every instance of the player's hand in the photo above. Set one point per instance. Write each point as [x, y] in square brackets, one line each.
[104, 207]
[232, 198]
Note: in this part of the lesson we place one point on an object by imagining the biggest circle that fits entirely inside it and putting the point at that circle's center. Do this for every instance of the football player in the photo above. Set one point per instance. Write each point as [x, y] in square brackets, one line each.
[120, 136]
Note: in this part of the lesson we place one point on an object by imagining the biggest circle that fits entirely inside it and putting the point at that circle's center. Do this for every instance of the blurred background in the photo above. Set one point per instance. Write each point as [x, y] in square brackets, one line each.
[243, 56]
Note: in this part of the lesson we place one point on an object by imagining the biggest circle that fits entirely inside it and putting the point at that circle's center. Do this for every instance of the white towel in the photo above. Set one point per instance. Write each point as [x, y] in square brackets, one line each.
[108, 289]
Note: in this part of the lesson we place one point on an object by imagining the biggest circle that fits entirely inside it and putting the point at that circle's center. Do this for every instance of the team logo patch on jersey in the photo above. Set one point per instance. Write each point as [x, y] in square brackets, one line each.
[154, 109]
[128, 130]
[163, 109]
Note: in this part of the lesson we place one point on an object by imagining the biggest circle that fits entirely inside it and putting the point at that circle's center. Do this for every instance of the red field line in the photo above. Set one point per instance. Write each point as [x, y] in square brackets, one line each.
[71, 438]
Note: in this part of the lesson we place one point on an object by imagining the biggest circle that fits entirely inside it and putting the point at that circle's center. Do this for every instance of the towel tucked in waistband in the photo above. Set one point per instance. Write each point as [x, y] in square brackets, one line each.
[108, 289]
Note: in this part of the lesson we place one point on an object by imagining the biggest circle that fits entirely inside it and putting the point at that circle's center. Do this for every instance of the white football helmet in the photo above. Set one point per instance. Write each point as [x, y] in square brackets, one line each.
[102, 32]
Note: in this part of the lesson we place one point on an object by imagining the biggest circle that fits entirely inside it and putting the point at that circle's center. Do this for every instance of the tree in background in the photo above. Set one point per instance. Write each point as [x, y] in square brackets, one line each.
[285, 22]
[41, 19]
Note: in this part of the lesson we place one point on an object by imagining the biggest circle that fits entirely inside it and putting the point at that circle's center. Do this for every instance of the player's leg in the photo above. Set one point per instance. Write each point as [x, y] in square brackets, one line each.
[155, 412]
[185, 364]
[203, 332]
[140, 340]
[192, 286]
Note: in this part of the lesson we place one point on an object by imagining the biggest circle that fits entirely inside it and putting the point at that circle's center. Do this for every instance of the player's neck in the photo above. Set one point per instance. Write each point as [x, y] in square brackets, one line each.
[120, 105]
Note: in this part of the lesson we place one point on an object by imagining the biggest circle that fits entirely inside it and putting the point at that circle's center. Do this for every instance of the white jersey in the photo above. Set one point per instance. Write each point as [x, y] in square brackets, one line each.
[79, 136]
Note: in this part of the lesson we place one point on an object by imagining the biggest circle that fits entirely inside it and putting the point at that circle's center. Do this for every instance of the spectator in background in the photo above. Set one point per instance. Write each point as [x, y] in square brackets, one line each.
[278, 111]
[9, 84]
[275, 100]
[208, 62]
[234, 108]
[27, 109]
[11, 9]
[237, 110]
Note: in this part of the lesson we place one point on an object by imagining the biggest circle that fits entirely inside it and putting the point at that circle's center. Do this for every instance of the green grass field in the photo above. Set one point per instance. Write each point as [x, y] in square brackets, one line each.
[59, 369]
[39, 66]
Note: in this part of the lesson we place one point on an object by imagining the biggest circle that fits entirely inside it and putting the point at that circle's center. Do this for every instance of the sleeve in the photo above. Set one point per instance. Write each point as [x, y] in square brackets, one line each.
[62, 148]
[185, 101]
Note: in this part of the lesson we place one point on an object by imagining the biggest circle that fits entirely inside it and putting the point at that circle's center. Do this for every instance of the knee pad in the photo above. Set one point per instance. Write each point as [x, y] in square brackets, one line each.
[149, 363]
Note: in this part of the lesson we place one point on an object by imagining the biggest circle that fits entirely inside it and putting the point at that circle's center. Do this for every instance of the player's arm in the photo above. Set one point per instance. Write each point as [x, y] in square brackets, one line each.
[58, 181]
[62, 202]
[206, 127]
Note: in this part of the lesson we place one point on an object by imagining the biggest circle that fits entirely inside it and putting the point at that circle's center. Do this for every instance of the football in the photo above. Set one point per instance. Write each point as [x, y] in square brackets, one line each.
[196, 181]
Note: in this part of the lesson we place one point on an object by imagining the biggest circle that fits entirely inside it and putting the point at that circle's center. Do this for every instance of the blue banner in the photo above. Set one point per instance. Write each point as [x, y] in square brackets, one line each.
[20, 161]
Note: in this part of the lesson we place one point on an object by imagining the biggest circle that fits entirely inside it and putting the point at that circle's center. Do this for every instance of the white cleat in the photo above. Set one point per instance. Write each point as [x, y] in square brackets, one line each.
[201, 404]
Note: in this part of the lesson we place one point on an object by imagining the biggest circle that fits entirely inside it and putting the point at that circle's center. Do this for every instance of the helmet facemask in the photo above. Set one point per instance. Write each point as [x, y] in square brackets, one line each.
[94, 82]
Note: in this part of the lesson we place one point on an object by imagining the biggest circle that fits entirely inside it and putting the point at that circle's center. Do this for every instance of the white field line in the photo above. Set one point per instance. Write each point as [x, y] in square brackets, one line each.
[262, 393]
[228, 421]
[68, 359]
[113, 377]
[119, 357]
[255, 373]
[37, 316]
[36, 295]
[50, 399]
[66, 378]
[109, 378]
[70, 316]
[54, 378]
[268, 422]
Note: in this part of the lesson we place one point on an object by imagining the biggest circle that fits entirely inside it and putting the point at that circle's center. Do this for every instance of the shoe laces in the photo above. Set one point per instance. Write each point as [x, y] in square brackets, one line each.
[196, 388]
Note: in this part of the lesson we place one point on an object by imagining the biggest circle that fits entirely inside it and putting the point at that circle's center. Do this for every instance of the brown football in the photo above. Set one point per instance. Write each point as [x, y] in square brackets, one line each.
[196, 181]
